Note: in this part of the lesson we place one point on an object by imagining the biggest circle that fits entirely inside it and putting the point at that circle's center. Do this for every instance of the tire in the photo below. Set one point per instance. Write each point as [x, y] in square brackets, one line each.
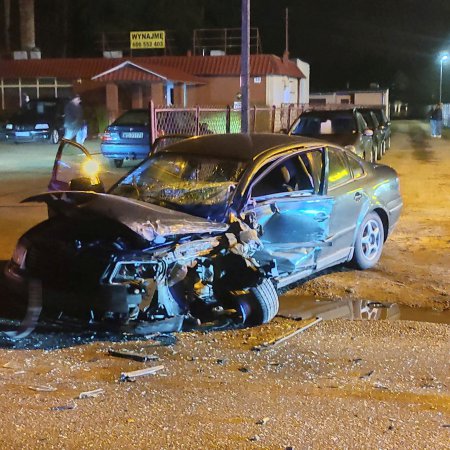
[259, 305]
[118, 163]
[383, 148]
[379, 151]
[54, 137]
[369, 242]
[388, 143]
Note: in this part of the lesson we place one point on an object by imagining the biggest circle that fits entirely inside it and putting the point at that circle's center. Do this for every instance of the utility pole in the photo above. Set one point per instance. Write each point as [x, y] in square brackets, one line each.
[245, 65]
[286, 46]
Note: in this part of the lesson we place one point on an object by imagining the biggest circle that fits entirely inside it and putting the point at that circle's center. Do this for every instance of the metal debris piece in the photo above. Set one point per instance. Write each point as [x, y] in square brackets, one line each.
[34, 309]
[367, 375]
[64, 407]
[274, 342]
[127, 376]
[263, 421]
[133, 355]
[91, 394]
[42, 388]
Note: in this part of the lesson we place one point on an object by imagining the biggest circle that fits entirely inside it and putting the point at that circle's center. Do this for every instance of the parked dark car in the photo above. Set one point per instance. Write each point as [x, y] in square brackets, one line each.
[37, 121]
[206, 228]
[378, 134]
[128, 137]
[345, 127]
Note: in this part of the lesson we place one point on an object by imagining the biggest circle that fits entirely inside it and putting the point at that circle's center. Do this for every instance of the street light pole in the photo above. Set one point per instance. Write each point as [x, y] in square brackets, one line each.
[443, 58]
[245, 65]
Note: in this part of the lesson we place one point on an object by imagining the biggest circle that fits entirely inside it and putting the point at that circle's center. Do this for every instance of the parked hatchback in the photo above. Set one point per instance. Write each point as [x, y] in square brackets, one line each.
[128, 137]
[38, 120]
[378, 135]
[345, 127]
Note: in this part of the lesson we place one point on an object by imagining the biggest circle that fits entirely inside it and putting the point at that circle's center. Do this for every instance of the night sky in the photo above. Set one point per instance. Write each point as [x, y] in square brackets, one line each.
[348, 43]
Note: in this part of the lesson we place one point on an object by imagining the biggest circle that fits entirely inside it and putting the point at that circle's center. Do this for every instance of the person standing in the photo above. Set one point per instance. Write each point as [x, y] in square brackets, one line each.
[73, 121]
[436, 121]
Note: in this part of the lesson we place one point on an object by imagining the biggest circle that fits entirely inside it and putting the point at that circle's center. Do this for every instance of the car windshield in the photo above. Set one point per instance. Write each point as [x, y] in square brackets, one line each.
[318, 125]
[133, 118]
[198, 185]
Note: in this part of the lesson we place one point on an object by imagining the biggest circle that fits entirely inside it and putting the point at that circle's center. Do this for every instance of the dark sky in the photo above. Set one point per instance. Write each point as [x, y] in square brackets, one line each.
[347, 42]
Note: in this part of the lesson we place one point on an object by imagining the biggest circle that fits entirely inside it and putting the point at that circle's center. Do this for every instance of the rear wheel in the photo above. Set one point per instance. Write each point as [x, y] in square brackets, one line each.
[369, 242]
[118, 163]
[54, 137]
[388, 143]
[259, 304]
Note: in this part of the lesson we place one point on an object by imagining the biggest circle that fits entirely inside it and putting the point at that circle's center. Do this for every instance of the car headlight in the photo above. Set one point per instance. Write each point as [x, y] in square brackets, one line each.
[9, 126]
[41, 126]
[19, 254]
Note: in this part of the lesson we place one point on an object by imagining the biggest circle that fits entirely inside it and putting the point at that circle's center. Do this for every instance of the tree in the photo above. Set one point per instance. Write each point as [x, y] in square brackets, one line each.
[27, 33]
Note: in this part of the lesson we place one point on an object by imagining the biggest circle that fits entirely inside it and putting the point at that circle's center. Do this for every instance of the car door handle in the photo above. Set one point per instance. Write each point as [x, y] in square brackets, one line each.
[274, 208]
[321, 217]
[358, 196]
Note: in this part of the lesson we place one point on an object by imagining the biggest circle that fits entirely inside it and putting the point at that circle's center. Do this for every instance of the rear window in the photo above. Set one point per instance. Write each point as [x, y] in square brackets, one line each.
[133, 118]
[322, 125]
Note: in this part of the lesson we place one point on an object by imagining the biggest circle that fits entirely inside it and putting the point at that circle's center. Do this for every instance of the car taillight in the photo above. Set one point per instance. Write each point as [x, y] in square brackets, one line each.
[106, 137]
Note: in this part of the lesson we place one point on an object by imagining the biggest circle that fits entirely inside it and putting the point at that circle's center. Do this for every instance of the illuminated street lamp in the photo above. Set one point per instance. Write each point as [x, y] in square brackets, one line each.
[443, 57]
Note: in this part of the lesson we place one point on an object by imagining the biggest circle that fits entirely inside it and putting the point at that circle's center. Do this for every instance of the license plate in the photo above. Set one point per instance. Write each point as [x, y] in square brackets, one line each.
[133, 135]
[22, 134]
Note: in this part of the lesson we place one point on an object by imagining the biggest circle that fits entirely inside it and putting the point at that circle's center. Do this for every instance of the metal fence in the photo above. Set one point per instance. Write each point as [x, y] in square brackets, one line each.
[200, 120]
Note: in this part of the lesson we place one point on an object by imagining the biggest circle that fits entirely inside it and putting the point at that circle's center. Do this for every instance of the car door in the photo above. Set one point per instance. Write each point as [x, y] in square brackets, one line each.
[345, 184]
[75, 169]
[292, 214]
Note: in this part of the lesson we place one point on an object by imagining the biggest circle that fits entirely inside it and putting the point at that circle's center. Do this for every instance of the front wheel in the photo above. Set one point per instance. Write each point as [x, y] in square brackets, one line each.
[259, 304]
[54, 137]
[369, 242]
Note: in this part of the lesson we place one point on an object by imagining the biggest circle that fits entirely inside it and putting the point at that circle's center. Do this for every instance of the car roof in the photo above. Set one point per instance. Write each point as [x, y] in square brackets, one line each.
[239, 146]
[328, 112]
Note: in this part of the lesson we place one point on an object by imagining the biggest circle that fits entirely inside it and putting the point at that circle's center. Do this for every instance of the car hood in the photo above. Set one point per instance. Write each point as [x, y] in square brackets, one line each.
[152, 222]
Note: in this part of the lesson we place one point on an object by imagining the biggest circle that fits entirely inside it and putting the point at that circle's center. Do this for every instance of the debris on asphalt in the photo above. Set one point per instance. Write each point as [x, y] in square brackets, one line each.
[133, 355]
[64, 407]
[42, 388]
[276, 341]
[366, 375]
[255, 438]
[129, 376]
[91, 394]
[263, 421]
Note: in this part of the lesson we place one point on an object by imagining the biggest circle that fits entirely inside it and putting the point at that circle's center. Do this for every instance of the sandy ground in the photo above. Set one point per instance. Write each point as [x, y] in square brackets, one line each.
[339, 384]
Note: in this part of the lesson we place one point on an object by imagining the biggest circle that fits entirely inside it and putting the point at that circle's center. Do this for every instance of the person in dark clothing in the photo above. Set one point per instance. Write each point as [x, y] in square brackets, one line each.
[73, 121]
[436, 121]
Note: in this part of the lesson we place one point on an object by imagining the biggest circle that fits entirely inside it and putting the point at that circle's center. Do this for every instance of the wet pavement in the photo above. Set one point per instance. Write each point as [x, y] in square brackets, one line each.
[296, 307]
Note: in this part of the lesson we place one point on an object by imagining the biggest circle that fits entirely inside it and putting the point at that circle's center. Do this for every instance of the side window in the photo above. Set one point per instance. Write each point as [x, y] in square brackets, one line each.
[338, 170]
[290, 175]
[313, 163]
[355, 166]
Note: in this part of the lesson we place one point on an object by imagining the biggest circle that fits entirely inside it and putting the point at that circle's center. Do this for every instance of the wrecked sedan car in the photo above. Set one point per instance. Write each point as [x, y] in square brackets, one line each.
[207, 227]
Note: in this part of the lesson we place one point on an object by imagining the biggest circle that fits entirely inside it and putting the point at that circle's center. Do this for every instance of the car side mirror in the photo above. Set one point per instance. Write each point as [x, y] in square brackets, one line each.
[368, 132]
[85, 184]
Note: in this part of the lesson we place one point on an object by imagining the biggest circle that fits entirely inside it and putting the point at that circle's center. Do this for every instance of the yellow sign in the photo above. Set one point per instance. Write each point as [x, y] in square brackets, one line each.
[147, 39]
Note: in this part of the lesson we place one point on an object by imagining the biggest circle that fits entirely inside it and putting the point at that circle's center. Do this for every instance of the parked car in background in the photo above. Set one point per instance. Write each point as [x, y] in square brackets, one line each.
[205, 229]
[128, 137]
[38, 120]
[378, 135]
[345, 127]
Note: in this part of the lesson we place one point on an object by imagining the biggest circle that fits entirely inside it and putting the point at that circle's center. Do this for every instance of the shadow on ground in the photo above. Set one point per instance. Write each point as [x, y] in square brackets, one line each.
[420, 140]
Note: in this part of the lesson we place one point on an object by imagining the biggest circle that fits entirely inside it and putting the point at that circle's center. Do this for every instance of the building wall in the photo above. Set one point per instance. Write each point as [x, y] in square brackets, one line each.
[222, 91]
[281, 89]
[304, 82]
